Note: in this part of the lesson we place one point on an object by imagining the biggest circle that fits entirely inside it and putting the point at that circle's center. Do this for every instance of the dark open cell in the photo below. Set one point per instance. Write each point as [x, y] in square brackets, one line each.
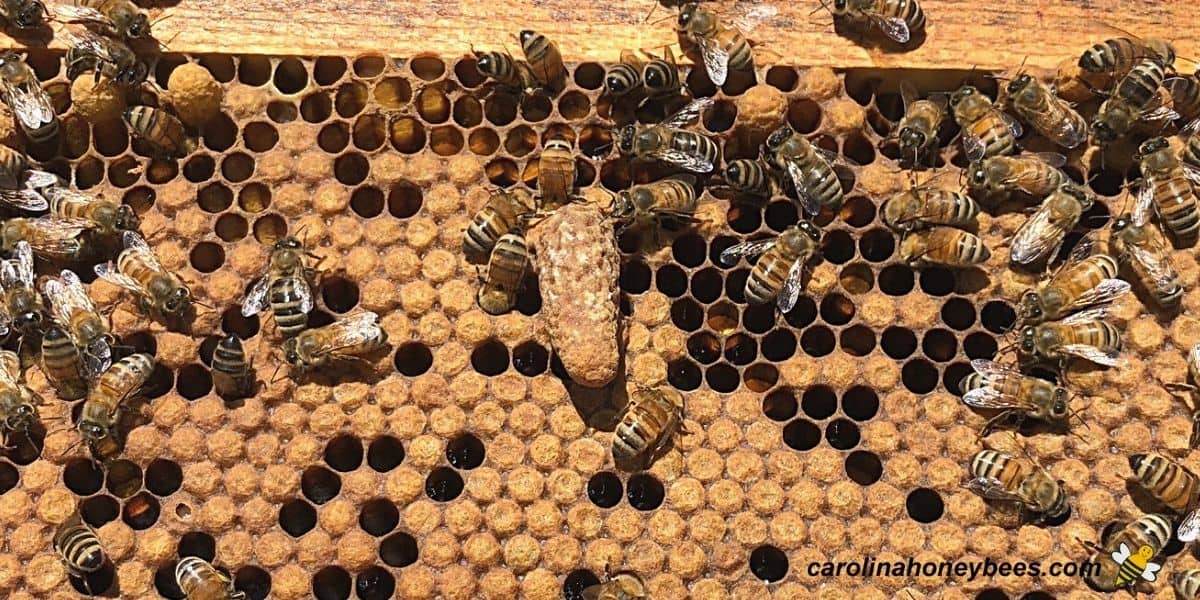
[385, 453]
[686, 314]
[760, 377]
[857, 278]
[877, 245]
[768, 563]
[804, 115]
[689, 250]
[939, 345]
[919, 376]
[720, 116]
[817, 341]
[297, 517]
[998, 316]
[340, 294]
[706, 285]
[704, 347]
[529, 298]
[958, 313]
[141, 511]
[331, 583]
[740, 349]
[165, 584]
[735, 285]
[199, 168]
[443, 484]
[207, 347]
[530, 358]
[837, 247]
[819, 402]
[953, 376]
[858, 211]
[779, 345]
[96, 584]
[398, 550]
[576, 581]
[558, 369]
[780, 405]
[193, 381]
[635, 277]
[413, 358]
[199, 544]
[718, 245]
[802, 314]
[645, 492]
[604, 489]
[233, 322]
[863, 467]
[858, 340]
[1106, 182]
[802, 435]
[490, 358]
[253, 581]
[671, 280]
[320, 485]
[937, 281]
[836, 309]
[82, 476]
[379, 517]
[1037, 596]
[465, 451]
[759, 318]
[98, 510]
[896, 280]
[123, 478]
[924, 505]
[991, 594]
[375, 583]
[683, 374]
[9, 477]
[781, 215]
[860, 403]
[859, 149]
[744, 218]
[722, 378]
[26, 447]
[980, 345]
[344, 453]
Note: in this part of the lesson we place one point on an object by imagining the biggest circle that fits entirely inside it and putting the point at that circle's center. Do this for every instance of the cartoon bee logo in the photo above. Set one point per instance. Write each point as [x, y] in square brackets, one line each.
[1135, 565]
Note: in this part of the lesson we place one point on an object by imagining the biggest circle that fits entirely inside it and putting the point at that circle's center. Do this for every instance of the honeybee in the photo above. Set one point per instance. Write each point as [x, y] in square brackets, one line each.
[20, 182]
[18, 403]
[1185, 97]
[73, 309]
[108, 217]
[105, 56]
[897, 19]
[917, 132]
[1050, 115]
[63, 364]
[506, 71]
[52, 238]
[1118, 55]
[505, 274]
[943, 246]
[284, 287]
[116, 18]
[1186, 584]
[722, 48]
[79, 547]
[986, 131]
[556, 172]
[1082, 335]
[232, 376]
[1171, 483]
[647, 205]
[1192, 392]
[102, 409]
[809, 168]
[160, 130]
[1135, 99]
[666, 141]
[137, 270]
[1136, 248]
[657, 77]
[997, 476]
[650, 421]
[544, 59]
[505, 210]
[29, 102]
[25, 14]
[1037, 174]
[199, 580]
[1168, 188]
[22, 302]
[750, 177]
[346, 339]
[995, 387]
[925, 206]
[1191, 150]
[622, 586]
[1084, 280]
[1146, 536]
[779, 272]
[1042, 234]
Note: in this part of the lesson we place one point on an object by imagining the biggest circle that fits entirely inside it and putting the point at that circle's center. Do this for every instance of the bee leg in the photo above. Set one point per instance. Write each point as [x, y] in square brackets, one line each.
[995, 422]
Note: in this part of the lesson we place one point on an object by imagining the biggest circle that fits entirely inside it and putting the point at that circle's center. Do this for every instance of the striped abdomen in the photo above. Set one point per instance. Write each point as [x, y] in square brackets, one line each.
[12, 166]
[675, 196]
[232, 377]
[748, 176]
[135, 266]
[285, 299]
[1060, 294]
[1169, 482]
[994, 132]
[62, 364]
[544, 58]
[1185, 96]
[1191, 150]
[79, 548]
[160, 129]
[1176, 205]
[506, 71]
[947, 246]
[1186, 584]
[768, 275]
[649, 422]
[947, 207]
[741, 56]
[1099, 334]
[694, 144]
[1140, 86]
[908, 11]
[622, 78]
[995, 465]
[660, 77]
[1118, 55]
[556, 172]
[122, 379]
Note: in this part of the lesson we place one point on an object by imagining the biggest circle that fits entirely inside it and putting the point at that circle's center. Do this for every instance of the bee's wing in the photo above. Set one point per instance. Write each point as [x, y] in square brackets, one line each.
[135, 243]
[1121, 554]
[1082, 250]
[991, 488]
[716, 60]
[1040, 235]
[1053, 159]
[10, 366]
[1068, 133]
[24, 200]
[23, 260]
[800, 181]
[60, 236]
[1143, 204]
[592, 592]
[1156, 263]
[31, 105]
[691, 162]
[748, 16]
[353, 330]
[1191, 172]
[108, 272]
[688, 113]
[628, 57]
[84, 15]
[791, 287]
[1108, 290]
[973, 147]
[908, 94]
[1094, 354]
[34, 179]
[74, 297]
[1013, 125]
[1159, 113]
[893, 27]
[1189, 529]
[256, 298]
[88, 42]
[1097, 313]
[97, 358]
[730, 255]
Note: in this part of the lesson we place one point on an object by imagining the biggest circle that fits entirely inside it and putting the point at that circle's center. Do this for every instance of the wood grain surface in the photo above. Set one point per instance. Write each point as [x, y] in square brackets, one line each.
[985, 34]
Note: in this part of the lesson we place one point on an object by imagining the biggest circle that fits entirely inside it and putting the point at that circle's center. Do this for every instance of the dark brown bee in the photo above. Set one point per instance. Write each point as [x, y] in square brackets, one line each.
[1042, 234]
[917, 132]
[995, 387]
[1137, 249]
[158, 291]
[110, 57]
[943, 246]
[115, 18]
[1135, 544]
[1168, 188]
[505, 211]
[668, 142]
[1118, 55]
[505, 274]
[808, 167]
[657, 77]
[20, 182]
[648, 205]
[1050, 115]
[997, 476]
[63, 364]
[102, 409]
[1191, 150]
[506, 71]
[1135, 99]
[544, 59]
[1185, 97]
[346, 339]
[30, 103]
[1036, 174]
[621, 586]
[722, 48]
[1085, 280]
[25, 14]
[986, 131]
[926, 206]
[284, 288]
[897, 19]
[22, 302]
[160, 130]
[778, 274]
[232, 375]
[1082, 335]
[650, 421]
[1168, 481]
[79, 547]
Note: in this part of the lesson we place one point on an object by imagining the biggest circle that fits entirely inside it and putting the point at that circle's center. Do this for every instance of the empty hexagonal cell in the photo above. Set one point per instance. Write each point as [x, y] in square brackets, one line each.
[413, 358]
[860, 403]
[818, 402]
[163, 477]
[220, 133]
[836, 309]
[778, 345]
[207, 257]
[980, 345]
[744, 219]
[704, 347]
[857, 340]
[759, 319]
[443, 484]
[804, 115]
[398, 550]
[721, 378]
[645, 491]
[374, 583]
[253, 581]
[877, 245]
[198, 544]
[683, 374]
[368, 66]
[483, 141]
[896, 280]
[344, 453]
[780, 405]
[233, 322]
[165, 583]
[919, 376]
[604, 489]
[998, 317]
[331, 583]
[269, 229]
[768, 563]
[863, 468]
[802, 314]
[490, 358]
[707, 285]
[760, 377]
[98, 510]
[297, 517]
[254, 70]
[842, 434]
[350, 99]
[83, 477]
[802, 435]
[328, 69]
[282, 111]
[937, 281]
[193, 381]
[385, 453]
[379, 517]
[817, 341]
[924, 505]
[958, 313]
[320, 485]
[576, 581]
[530, 359]
[954, 374]
[722, 318]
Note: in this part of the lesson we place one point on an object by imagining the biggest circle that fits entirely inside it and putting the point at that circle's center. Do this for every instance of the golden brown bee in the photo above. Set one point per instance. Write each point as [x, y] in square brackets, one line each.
[1168, 481]
[1042, 234]
[1137, 249]
[1135, 99]
[284, 288]
[1185, 97]
[1081, 335]
[995, 387]
[25, 14]
[114, 18]
[556, 173]
[505, 274]
[1050, 115]
[22, 302]
[505, 211]
[1186, 584]
[506, 71]
[544, 59]
[622, 586]
[19, 182]
[18, 403]
[24, 95]
[79, 547]
[917, 132]
[779, 272]
[897, 19]
[667, 141]
[1144, 537]
[1118, 55]
[1168, 188]
[63, 364]
[110, 218]
[750, 177]
[926, 206]
[1083, 281]
[110, 57]
[808, 167]
[722, 48]
[160, 130]
[74, 310]
[157, 290]
[1036, 174]
[647, 206]
[657, 77]
[232, 375]
[943, 246]
[199, 580]
[52, 238]
[650, 421]
[997, 476]
[346, 339]
[102, 409]
[986, 131]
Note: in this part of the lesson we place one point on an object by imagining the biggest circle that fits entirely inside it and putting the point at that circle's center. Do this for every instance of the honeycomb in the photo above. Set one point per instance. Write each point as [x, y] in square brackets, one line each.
[462, 467]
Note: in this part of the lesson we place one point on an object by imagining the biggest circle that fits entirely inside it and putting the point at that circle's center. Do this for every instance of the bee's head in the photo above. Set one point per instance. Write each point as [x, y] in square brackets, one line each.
[22, 417]
[963, 94]
[1078, 193]
[287, 243]
[1103, 131]
[526, 35]
[1122, 222]
[622, 206]
[687, 13]
[911, 137]
[778, 137]
[290, 352]
[30, 15]
[92, 431]
[1019, 83]
[625, 135]
[139, 27]
[28, 321]
[177, 300]
[841, 6]
[1151, 147]
[127, 218]
[810, 229]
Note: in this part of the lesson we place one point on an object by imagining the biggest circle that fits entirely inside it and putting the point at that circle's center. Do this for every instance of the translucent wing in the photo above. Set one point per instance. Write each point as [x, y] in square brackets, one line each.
[791, 287]
[716, 60]
[629, 58]
[991, 488]
[32, 106]
[84, 15]
[1149, 573]
[68, 297]
[973, 147]
[1068, 133]
[89, 43]
[134, 243]
[592, 592]
[1190, 128]
[1053, 159]
[1191, 172]
[24, 200]
[731, 254]
[1039, 236]
[97, 358]
[1143, 203]
[23, 261]
[34, 178]
[1157, 265]
[1092, 314]
[800, 181]
[989, 395]
[108, 272]
[1160, 113]
[1013, 125]
[893, 27]
[355, 329]
[908, 94]
[688, 113]
[1108, 290]
[306, 297]
[1189, 529]
[1082, 250]
[992, 369]
[10, 366]
[256, 298]
[691, 162]
[1121, 554]
[1094, 354]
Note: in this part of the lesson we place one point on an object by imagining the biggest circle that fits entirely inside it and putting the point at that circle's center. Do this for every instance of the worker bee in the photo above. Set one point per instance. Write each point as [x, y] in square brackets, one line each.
[1125, 551]
[926, 206]
[668, 142]
[284, 287]
[1135, 99]
[1136, 248]
[506, 71]
[232, 376]
[778, 274]
[25, 14]
[505, 210]
[199, 580]
[1169, 482]
[1082, 335]
[1186, 584]
[1042, 234]
[138, 270]
[995, 387]
[29, 102]
[108, 217]
[1050, 115]
[115, 18]
[110, 57]
[62, 363]
[1185, 97]
[346, 339]
[647, 205]
[116, 386]
[1118, 55]
[1191, 150]
[657, 77]
[505, 274]
[73, 309]
[18, 403]
[897, 19]
[722, 48]
[1037, 174]
[943, 246]
[986, 131]
[622, 586]
[650, 421]
[556, 172]
[22, 302]
[51, 238]
[20, 182]
[917, 132]
[1084, 280]
[808, 167]
[1168, 188]
[160, 130]
[79, 547]
[749, 177]
[544, 59]
[997, 476]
